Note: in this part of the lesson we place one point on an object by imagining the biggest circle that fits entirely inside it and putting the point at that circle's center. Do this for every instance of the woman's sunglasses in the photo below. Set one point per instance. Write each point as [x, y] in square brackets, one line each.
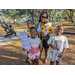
[43, 17]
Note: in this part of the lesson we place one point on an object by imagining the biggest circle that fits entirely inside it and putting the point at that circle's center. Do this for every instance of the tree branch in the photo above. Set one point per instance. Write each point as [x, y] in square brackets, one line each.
[29, 11]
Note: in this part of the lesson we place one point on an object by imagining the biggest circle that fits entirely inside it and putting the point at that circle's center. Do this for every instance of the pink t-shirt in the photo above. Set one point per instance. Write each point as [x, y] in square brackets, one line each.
[34, 46]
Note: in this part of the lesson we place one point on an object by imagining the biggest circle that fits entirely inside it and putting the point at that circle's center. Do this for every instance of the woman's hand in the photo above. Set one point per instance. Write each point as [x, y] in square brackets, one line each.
[42, 33]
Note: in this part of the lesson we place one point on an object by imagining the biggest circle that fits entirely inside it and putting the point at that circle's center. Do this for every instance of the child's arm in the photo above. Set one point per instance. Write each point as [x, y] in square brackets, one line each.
[52, 46]
[40, 46]
[65, 46]
[61, 54]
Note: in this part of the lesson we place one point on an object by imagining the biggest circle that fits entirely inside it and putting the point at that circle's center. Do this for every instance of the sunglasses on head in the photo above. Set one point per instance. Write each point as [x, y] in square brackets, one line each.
[43, 17]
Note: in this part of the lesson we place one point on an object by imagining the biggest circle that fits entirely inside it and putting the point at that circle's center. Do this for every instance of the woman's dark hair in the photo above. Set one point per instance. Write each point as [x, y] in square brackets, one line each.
[41, 15]
[32, 28]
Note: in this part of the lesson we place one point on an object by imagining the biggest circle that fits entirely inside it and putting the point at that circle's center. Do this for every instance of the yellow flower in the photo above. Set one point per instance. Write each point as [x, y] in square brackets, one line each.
[50, 30]
[43, 28]
[27, 30]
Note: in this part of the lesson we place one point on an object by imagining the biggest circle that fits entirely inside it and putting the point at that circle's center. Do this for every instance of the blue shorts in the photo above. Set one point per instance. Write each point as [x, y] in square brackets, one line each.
[58, 59]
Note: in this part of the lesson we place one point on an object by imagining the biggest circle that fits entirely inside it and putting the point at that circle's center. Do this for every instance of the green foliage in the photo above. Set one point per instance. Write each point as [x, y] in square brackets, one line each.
[35, 13]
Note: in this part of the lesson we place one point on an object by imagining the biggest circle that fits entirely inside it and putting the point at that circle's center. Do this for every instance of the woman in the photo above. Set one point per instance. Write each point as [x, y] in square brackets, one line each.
[42, 19]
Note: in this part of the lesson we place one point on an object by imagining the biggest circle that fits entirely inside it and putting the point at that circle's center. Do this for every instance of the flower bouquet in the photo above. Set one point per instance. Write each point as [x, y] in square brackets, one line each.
[47, 24]
[51, 55]
[51, 31]
[46, 28]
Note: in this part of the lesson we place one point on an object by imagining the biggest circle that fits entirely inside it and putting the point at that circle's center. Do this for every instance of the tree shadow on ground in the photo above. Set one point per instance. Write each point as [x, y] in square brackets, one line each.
[68, 60]
[69, 33]
[71, 42]
[12, 58]
[68, 24]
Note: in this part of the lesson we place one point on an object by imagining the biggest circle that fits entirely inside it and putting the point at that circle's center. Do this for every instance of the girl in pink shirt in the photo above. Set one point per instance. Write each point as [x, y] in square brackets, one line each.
[35, 45]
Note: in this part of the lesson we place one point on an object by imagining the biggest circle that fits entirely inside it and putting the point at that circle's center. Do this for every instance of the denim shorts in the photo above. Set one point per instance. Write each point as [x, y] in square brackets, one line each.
[58, 59]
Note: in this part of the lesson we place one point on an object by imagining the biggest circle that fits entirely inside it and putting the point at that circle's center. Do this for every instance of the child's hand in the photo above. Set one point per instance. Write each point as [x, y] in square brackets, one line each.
[23, 49]
[28, 35]
[54, 46]
[60, 55]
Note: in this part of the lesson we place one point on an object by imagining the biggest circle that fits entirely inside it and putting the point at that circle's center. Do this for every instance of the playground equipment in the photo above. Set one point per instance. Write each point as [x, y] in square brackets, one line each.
[54, 17]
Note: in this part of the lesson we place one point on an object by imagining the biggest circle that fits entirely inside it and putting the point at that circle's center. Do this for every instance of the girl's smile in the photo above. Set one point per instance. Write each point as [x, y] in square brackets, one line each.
[29, 24]
[33, 33]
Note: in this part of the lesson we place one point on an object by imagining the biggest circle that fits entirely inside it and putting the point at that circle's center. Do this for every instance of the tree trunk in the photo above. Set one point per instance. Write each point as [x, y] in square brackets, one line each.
[49, 15]
[49, 18]
[14, 20]
[70, 15]
[69, 18]
[72, 20]
[33, 16]
[52, 19]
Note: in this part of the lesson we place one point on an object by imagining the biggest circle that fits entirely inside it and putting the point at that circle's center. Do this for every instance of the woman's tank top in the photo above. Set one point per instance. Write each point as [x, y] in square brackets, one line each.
[39, 28]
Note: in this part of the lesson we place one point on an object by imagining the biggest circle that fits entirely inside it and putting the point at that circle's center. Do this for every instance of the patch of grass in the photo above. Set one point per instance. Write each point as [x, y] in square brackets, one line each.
[14, 43]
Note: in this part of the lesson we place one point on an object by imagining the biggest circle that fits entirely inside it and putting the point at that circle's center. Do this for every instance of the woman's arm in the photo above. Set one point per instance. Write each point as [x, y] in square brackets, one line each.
[41, 33]
[36, 26]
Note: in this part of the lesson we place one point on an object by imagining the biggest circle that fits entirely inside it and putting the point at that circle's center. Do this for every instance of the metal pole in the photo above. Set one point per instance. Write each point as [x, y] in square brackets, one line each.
[54, 17]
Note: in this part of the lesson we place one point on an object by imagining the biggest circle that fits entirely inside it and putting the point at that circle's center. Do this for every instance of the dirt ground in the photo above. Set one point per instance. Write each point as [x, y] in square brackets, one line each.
[12, 54]
[16, 26]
